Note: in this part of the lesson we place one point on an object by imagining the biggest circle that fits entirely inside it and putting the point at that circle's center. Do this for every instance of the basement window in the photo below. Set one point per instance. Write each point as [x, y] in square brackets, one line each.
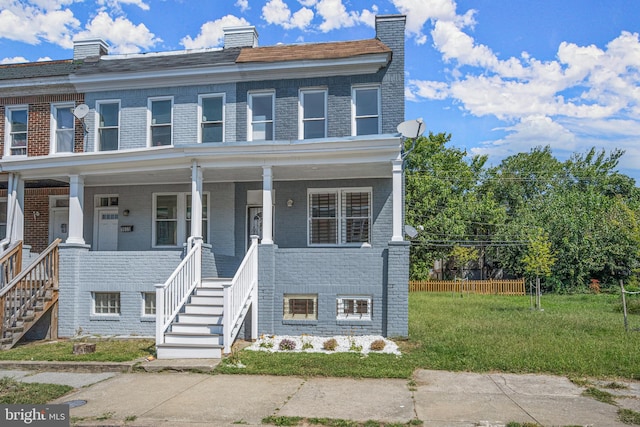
[106, 302]
[300, 307]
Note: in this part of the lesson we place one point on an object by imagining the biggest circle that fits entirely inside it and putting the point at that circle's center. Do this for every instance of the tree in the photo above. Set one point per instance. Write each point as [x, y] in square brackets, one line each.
[538, 259]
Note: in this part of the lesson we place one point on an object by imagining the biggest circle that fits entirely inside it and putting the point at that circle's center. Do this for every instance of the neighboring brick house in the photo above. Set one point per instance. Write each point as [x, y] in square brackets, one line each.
[183, 150]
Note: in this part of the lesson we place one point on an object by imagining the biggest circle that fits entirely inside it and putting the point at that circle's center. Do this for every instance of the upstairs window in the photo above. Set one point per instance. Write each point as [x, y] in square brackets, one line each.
[261, 116]
[62, 128]
[313, 114]
[17, 119]
[366, 110]
[339, 216]
[108, 125]
[211, 118]
[160, 121]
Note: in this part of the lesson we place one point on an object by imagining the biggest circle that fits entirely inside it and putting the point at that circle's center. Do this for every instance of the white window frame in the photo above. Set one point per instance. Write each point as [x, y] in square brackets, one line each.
[5, 201]
[150, 101]
[8, 111]
[250, 121]
[301, 107]
[339, 215]
[97, 141]
[53, 144]
[287, 315]
[340, 302]
[144, 305]
[201, 123]
[117, 306]
[354, 118]
[181, 226]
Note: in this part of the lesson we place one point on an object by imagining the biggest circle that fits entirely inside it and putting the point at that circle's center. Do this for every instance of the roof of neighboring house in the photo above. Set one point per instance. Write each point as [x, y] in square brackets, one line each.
[37, 69]
[335, 50]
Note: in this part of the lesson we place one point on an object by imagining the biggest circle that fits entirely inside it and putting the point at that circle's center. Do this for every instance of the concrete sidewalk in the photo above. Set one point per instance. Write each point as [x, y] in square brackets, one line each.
[437, 398]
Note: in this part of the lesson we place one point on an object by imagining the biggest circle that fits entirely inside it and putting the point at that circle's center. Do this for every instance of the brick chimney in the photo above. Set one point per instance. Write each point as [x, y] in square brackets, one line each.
[245, 36]
[91, 48]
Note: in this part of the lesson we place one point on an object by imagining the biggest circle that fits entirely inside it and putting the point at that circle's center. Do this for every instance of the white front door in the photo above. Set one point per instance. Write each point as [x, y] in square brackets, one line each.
[58, 224]
[107, 230]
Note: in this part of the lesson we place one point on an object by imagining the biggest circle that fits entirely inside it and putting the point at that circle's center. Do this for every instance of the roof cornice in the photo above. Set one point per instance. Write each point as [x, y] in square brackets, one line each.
[233, 73]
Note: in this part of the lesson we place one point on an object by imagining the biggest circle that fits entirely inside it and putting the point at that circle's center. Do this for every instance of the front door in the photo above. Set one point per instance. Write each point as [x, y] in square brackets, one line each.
[58, 224]
[107, 232]
[254, 223]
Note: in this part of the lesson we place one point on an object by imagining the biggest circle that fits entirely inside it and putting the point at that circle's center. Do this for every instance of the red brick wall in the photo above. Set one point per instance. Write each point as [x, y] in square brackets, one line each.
[39, 127]
[36, 228]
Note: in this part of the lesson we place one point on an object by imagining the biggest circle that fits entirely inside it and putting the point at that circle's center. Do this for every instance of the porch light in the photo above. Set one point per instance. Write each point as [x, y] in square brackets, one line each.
[289, 203]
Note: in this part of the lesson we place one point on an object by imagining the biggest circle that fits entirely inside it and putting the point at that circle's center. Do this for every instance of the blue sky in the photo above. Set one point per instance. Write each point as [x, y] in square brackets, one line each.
[502, 76]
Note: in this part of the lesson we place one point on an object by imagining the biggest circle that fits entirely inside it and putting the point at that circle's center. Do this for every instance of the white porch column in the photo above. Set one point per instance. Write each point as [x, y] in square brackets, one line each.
[397, 201]
[17, 195]
[267, 205]
[76, 210]
[196, 201]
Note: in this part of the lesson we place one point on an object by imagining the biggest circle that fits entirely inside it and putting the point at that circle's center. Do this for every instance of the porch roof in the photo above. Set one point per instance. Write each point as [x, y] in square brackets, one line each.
[330, 158]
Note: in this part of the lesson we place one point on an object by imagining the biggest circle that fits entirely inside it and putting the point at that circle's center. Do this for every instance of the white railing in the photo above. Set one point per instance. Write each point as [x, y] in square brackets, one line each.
[243, 287]
[174, 293]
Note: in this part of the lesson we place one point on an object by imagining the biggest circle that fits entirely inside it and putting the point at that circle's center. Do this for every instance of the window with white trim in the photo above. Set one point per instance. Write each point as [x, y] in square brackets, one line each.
[160, 121]
[300, 307]
[313, 113]
[106, 302]
[108, 133]
[366, 110]
[62, 128]
[211, 118]
[339, 216]
[172, 218]
[261, 116]
[16, 130]
[354, 307]
[148, 303]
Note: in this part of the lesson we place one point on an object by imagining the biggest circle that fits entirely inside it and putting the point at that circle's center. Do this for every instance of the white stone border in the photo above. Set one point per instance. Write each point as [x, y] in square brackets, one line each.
[353, 344]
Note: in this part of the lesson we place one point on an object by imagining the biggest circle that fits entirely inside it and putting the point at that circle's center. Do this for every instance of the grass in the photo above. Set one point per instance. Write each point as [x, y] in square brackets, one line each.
[575, 336]
[332, 422]
[112, 350]
[13, 392]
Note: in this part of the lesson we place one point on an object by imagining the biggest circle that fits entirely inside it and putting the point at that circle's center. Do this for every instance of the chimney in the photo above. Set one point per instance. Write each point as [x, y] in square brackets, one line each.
[92, 48]
[245, 36]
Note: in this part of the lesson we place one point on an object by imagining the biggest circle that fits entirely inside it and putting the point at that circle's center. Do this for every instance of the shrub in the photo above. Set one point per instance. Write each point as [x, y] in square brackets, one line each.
[287, 344]
[330, 344]
[307, 345]
[378, 345]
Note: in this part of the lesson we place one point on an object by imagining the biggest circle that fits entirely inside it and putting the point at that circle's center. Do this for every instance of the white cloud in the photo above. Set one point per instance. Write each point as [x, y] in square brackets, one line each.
[278, 13]
[211, 33]
[123, 35]
[418, 12]
[428, 90]
[33, 22]
[243, 5]
[13, 60]
[116, 5]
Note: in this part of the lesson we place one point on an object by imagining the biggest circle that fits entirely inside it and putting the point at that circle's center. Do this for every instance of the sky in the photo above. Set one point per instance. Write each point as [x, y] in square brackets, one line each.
[501, 76]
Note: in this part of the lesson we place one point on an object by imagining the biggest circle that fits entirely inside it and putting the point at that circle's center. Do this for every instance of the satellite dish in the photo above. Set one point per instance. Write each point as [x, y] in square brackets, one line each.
[410, 231]
[81, 111]
[412, 128]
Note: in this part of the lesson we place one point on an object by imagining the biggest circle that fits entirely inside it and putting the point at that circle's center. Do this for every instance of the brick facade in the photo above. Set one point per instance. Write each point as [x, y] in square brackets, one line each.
[39, 121]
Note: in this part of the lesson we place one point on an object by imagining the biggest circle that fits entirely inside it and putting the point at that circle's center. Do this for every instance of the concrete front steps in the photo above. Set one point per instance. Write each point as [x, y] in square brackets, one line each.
[196, 333]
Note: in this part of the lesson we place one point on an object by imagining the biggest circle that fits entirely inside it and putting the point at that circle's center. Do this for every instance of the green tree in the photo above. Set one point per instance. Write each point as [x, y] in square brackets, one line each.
[538, 259]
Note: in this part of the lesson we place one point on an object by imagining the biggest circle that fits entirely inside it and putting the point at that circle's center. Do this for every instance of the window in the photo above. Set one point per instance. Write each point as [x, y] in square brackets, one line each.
[108, 125]
[303, 307]
[3, 217]
[366, 110]
[148, 303]
[166, 220]
[339, 216]
[313, 114]
[204, 216]
[62, 128]
[17, 119]
[211, 118]
[172, 218]
[106, 303]
[160, 111]
[106, 201]
[354, 308]
[261, 116]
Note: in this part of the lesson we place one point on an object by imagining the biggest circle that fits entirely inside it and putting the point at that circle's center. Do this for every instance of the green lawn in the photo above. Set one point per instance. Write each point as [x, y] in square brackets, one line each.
[575, 335]
[108, 350]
